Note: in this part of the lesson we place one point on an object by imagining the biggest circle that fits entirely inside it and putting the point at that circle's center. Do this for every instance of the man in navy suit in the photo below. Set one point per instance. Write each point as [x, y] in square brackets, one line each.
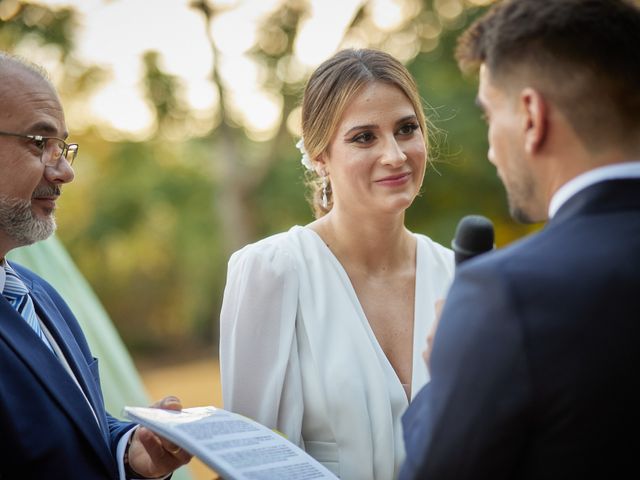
[53, 422]
[534, 367]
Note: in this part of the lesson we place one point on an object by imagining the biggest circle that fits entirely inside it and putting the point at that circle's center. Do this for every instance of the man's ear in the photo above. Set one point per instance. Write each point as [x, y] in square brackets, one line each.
[536, 119]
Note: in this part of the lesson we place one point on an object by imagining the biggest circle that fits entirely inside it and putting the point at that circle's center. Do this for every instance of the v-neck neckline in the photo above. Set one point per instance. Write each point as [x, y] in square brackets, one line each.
[389, 370]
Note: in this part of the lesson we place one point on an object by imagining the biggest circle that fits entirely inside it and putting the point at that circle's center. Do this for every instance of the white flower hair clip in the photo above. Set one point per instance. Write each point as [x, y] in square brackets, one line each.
[305, 160]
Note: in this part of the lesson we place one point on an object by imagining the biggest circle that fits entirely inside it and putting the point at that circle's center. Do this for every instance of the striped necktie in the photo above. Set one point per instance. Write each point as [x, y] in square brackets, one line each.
[17, 294]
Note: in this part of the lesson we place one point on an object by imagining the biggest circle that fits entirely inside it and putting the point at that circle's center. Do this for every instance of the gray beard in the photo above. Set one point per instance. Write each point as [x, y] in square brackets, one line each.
[19, 223]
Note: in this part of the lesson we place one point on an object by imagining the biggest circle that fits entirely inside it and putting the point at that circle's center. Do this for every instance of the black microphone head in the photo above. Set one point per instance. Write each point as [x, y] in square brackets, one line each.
[474, 235]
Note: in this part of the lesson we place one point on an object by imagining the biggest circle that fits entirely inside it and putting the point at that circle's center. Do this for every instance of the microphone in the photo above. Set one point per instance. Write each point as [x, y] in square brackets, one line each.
[474, 235]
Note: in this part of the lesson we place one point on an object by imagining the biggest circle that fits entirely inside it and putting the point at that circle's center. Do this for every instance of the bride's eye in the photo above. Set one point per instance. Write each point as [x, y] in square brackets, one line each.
[364, 137]
[408, 129]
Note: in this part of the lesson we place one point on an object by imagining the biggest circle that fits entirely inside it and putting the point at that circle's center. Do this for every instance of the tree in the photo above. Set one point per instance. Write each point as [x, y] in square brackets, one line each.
[151, 223]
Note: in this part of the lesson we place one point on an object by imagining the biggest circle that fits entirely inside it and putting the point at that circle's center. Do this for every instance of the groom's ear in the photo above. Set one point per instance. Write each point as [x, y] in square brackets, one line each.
[535, 119]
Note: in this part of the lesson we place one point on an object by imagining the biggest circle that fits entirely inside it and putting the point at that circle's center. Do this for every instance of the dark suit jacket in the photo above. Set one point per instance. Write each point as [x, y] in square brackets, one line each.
[47, 430]
[535, 371]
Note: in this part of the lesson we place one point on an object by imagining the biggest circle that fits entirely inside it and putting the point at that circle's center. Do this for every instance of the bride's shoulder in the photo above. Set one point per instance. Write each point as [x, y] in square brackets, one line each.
[277, 251]
[435, 249]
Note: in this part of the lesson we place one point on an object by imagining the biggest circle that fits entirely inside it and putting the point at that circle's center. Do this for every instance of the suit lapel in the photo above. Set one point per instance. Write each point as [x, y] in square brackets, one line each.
[601, 197]
[48, 370]
[63, 336]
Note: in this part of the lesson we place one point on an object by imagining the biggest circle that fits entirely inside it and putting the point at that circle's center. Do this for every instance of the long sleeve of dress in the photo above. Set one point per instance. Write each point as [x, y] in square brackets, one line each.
[258, 354]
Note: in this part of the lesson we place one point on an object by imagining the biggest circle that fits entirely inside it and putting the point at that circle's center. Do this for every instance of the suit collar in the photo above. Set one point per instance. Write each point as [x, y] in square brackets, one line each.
[48, 370]
[601, 197]
[615, 171]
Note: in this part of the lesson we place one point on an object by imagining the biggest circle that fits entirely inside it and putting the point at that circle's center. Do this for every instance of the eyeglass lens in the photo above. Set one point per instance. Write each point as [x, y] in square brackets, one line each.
[55, 148]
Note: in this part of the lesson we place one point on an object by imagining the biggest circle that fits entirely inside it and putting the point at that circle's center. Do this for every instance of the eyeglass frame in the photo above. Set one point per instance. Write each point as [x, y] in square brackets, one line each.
[64, 152]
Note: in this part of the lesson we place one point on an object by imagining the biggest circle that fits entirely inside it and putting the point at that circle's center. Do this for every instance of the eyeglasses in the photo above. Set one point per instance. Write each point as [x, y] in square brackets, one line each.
[51, 148]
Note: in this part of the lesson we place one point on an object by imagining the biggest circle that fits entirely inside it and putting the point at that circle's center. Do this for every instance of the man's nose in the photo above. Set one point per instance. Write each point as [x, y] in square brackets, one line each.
[59, 173]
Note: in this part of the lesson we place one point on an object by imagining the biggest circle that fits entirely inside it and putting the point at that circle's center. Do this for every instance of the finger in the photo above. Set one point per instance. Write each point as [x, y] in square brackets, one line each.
[173, 450]
[170, 447]
[151, 440]
[149, 457]
[168, 403]
[181, 455]
[426, 354]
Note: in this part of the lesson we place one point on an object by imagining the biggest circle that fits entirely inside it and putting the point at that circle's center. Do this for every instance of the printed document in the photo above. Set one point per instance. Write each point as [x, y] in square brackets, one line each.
[236, 447]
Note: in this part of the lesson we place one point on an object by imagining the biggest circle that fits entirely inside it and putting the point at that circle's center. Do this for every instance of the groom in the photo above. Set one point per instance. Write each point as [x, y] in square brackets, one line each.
[534, 369]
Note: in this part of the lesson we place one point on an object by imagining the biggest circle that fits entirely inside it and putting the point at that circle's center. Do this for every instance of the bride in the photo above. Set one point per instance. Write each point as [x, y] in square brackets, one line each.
[322, 327]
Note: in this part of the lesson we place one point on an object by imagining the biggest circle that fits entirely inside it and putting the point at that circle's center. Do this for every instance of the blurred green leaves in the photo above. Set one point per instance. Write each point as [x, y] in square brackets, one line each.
[151, 223]
[32, 22]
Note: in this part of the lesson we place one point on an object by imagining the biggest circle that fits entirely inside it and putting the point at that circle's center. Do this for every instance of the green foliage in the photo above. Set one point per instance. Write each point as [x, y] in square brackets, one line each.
[151, 224]
[20, 21]
[163, 93]
[144, 235]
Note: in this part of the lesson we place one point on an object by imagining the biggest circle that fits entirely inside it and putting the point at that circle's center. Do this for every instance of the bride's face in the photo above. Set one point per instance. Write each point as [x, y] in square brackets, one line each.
[376, 158]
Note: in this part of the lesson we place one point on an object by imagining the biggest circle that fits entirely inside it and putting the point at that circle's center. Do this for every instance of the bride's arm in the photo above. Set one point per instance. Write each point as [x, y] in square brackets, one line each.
[258, 355]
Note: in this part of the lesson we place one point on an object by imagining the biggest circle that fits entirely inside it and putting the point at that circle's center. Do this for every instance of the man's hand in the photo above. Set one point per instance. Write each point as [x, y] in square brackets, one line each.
[153, 456]
[432, 332]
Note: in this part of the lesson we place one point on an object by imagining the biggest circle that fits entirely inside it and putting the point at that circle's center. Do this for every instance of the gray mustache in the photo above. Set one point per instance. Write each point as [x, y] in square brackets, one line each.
[47, 191]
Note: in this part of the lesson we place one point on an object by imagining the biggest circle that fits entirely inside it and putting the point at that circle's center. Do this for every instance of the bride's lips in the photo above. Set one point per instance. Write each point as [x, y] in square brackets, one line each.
[394, 180]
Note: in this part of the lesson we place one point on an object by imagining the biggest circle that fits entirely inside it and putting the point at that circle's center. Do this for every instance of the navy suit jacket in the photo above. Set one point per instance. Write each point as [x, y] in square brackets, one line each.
[47, 429]
[535, 371]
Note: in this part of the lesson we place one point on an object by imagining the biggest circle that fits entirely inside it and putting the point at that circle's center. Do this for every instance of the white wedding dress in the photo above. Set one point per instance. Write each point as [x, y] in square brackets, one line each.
[297, 353]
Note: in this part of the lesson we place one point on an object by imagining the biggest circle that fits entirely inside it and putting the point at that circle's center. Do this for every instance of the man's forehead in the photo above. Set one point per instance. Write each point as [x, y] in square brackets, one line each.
[18, 80]
[490, 91]
[29, 103]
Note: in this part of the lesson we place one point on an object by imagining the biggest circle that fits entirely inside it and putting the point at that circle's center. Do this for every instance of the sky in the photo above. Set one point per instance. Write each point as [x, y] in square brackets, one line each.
[115, 33]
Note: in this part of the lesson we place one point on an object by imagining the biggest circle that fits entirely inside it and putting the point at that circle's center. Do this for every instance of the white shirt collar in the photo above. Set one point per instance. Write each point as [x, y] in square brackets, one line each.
[584, 180]
[3, 275]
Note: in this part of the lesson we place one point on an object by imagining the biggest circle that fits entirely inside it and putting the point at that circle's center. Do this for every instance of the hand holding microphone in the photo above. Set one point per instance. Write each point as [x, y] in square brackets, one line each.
[474, 236]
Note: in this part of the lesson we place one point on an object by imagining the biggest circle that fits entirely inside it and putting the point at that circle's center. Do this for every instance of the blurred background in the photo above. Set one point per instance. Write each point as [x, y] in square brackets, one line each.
[187, 116]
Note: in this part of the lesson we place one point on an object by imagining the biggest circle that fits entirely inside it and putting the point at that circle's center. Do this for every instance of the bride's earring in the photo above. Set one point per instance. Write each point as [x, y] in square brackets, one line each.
[325, 202]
